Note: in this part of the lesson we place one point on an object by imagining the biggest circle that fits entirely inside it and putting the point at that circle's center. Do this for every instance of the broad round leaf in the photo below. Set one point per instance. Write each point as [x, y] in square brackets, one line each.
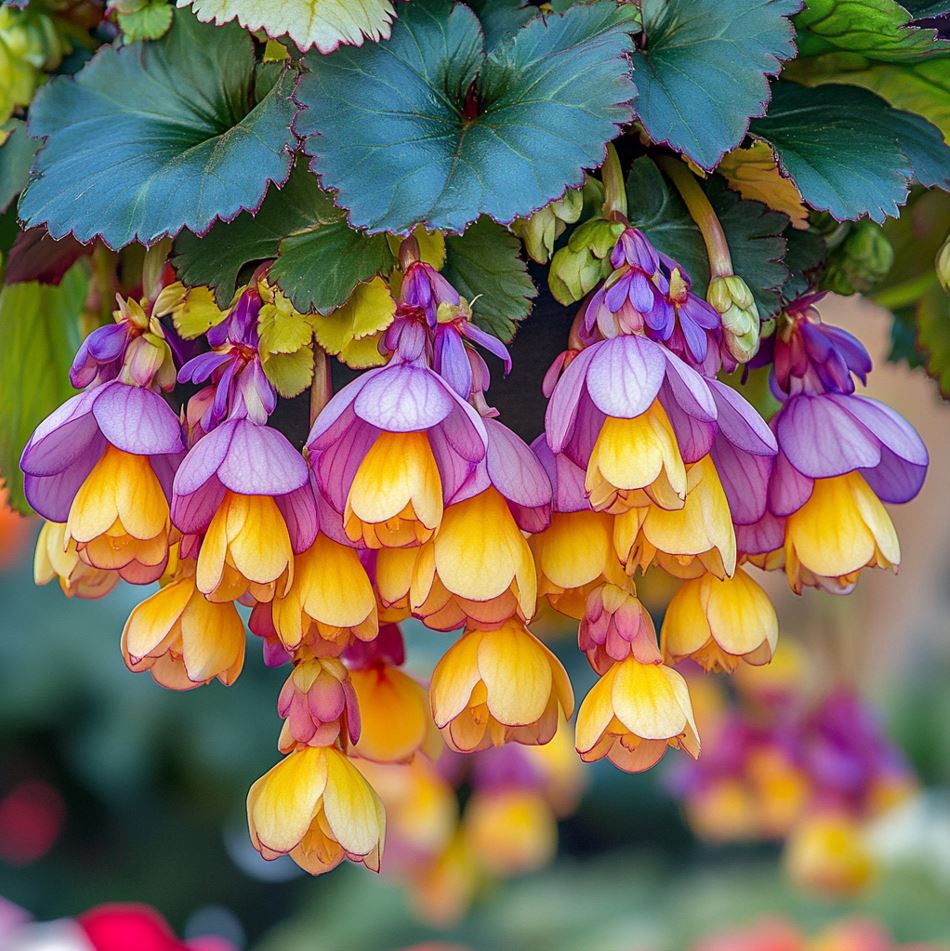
[705, 67]
[324, 24]
[425, 129]
[152, 138]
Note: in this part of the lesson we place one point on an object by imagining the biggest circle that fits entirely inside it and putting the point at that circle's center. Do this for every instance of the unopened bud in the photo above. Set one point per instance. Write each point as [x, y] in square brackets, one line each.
[585, 261]
[544, 227]
[942, 265]
[861, 261]
[731, 298]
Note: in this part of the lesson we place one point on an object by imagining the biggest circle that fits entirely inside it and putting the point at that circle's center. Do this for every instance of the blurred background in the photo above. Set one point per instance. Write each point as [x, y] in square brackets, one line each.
[113, 790]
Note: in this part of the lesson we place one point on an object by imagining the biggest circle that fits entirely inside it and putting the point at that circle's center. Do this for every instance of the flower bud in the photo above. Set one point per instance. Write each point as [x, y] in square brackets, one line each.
[942, 265]
[585, 261]
[731, 298]
[861, 261]
[616, 625]
[544, 227]
[318, 705]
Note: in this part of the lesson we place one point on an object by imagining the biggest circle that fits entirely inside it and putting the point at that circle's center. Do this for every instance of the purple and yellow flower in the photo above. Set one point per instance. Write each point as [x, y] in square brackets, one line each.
[182, 639]
[316, 807]
[395, 446]
[246, 492]
[103, 464]
[318, 705]
[499, 686]
[633, 713]
[719, 622]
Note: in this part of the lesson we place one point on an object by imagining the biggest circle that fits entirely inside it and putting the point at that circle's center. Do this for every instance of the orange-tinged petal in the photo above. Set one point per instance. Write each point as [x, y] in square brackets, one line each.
[212, 640]
[393, 712]
[576, 547]
[258, 540]
[140, 500]
[741, 616]
[454, 678]
[93, 511]
[517, 673]
[646, 701]
[353, 810]
[152, 620]
[333, 584]
[214, 549]
[595, 713]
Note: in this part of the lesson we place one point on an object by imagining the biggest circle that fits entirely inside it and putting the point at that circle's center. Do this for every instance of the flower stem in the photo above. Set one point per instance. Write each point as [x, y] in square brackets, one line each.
[615, 192]
[701, 211]
[321, 388]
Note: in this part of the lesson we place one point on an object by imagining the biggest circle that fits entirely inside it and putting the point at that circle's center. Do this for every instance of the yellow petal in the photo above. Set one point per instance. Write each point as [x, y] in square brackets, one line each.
[595, 713]
[454, 678]
[646, 701]
[576, 547]
[353, 810]
[150, 622]
[212, 640]
[393, 713]
[517, 673]
[258, 540]
[741, 616]
[333, 584]
[685, 626]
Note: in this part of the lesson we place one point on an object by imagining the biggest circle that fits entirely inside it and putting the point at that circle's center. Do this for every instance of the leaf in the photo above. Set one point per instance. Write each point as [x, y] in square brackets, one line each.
[16, 157]
[933, 336]
[805, 256]
[839, 146]
[876, 29]
[704, 70]
[485, 263]
[754, 174]
[425, 129]
[324, 24]
[147, 140]
[40, 329]
[319, 267]
[369, 310]
[193, 310]
[499, 18]
[35, 256]
[150, 22]
[754, 232]
[290, 373]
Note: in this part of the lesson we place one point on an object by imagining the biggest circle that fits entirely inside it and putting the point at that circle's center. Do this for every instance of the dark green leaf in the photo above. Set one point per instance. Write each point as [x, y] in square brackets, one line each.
[40, 330]
[839, 144]
[806, 254]
[704, 70]
[485, 262]
[387, 123]
[16, 156]
[499, 18]
[933, 336]
[875, 29]
[147, 140]
[754, 232]
[904, 347]
[924, 146]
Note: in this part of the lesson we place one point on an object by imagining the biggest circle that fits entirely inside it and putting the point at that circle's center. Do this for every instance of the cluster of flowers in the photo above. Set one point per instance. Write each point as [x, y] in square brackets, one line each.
[781, 765]
[412, 499]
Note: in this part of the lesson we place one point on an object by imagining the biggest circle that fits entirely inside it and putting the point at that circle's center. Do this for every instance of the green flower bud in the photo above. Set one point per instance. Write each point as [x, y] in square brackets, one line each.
[584, 261]
[544, 227]
[731, 298]
[942, 265]
[860, 262]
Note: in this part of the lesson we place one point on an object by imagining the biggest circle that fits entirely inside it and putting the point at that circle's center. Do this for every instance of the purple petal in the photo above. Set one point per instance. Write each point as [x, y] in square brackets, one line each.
[451, 362]
[745, 480]
[567, 479]
[625, 376]
[261, 461]
[191, 513]
[63, 436]
[562, 407]
[822, 439]
[740, 423]
[642, 292]
[761, 537]
[518, 475]
[204, 459]
[789, 490]
[688, 388]
[52, 495]
[693, 436]
[890, 428]
[404, 398]
[617, 294]
[461, 478]
[198, 369]
[327, 427]
[137, 420]
[464, 430]
[895, 479]
[587, 426]
[299, 509]
[336, 466]
[490, 343]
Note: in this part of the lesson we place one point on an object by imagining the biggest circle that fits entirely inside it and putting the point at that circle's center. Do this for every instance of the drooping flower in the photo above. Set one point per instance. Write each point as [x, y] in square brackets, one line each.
[615, 626]
[499, 686]
[316, 806]
[246, 492]
[183, 639]
[394, 706]
[633, 713]
[103, 464]
[318, 705]
[56, 557]
[720, 622]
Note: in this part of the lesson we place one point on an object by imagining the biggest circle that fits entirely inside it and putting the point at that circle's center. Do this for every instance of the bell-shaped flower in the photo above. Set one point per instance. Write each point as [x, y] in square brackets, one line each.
[395, 446]
[182, 639]
[56, 557]
[103, 464]
[500, 686]
[720, 622]
[318, 705]
[329, 602]
[317, 807]
[698, 537]
[246, 491]
[478, 567]
[633, 713]
[615, 626]
[394, 706]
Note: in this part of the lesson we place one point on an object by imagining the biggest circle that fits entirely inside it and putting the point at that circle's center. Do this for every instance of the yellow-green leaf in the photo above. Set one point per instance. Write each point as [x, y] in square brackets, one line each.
[290, 373]
[369, 310]
[282, 329]
[324, 24]
[754, 174]
[193, 310]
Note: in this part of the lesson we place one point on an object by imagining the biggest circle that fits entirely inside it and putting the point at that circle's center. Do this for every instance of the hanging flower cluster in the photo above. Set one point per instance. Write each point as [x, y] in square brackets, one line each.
[411, 498]
[781, 764]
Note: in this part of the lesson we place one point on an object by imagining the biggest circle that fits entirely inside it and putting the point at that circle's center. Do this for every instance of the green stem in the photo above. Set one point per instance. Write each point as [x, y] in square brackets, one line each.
[701, 211]
[615, 192]
[906, 292]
